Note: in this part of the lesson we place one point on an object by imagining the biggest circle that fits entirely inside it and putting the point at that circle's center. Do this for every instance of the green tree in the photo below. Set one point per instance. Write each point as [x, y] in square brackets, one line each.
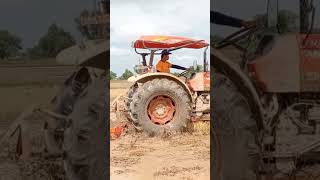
[127, 73]
[10, 44]
[199, 68]
[55, 40]
[113, 75]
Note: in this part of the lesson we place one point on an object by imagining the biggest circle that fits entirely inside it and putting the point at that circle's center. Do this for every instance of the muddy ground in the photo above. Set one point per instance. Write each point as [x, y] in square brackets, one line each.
[37, 167]
[20, 88]
[137, 157]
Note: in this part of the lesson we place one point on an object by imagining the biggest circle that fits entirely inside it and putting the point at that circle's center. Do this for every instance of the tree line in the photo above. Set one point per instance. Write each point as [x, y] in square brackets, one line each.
[125, 75]
[49, 45]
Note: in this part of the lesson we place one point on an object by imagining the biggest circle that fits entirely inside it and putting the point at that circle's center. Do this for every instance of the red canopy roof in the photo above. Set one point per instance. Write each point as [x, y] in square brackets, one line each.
[168, 42]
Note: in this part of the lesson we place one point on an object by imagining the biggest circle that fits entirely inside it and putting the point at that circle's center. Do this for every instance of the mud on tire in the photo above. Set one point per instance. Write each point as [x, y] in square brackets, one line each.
[84, 139]
[161, 87]
[235, 148]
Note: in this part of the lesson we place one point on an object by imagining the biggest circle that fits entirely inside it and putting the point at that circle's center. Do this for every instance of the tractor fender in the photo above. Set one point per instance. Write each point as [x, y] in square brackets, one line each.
[149, 76]
[224, 65]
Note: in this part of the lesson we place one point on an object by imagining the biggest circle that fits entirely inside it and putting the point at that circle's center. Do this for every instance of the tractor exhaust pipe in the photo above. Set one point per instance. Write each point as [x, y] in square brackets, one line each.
[305, 12]
[205, 62]
[272, 13]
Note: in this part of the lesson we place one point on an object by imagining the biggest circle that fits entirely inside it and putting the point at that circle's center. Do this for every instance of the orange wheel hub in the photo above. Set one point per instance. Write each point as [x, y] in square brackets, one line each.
[161, 110]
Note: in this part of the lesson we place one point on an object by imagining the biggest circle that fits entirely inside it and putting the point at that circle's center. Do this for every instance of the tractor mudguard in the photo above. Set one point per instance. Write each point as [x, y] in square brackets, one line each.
[149, 76]
[224, 65]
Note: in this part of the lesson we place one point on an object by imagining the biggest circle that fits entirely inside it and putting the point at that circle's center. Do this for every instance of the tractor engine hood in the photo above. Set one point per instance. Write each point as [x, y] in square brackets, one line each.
[92, 53]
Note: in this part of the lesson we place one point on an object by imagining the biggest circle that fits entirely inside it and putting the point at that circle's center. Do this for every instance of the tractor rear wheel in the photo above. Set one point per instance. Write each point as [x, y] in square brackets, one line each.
[84, 148]
[236, 153]
[161, 107]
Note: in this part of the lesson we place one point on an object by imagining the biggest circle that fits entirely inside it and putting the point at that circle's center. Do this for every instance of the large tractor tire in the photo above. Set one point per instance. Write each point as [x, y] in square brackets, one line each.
[130, 94]
[84, 140]
[235, 148]
[161, 107]
[62, 104]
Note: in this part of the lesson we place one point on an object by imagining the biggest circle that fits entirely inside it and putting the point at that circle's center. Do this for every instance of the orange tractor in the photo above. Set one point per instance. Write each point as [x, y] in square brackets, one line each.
[159, 103]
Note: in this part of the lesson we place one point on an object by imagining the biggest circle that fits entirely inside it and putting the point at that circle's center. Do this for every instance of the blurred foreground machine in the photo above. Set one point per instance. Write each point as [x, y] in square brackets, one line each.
[72, 126]
[266, 108]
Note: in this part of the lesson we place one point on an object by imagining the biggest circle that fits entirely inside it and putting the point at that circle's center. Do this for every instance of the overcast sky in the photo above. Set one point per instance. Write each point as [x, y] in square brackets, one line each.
[30, 19]
[131, 19]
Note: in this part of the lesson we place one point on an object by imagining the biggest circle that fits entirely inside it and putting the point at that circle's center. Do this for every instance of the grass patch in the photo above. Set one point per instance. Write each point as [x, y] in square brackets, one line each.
[199, 128]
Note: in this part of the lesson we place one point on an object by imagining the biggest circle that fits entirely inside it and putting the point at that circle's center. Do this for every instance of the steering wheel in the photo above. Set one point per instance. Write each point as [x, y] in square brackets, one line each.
[235, 37]
[184, 73]
[190, 70]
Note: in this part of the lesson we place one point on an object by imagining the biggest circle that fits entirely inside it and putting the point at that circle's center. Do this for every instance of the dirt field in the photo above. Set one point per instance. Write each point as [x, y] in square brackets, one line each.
[136, 157]
[24, 85]
[20, 88]
[33, 74]
[15, 99]
[142, 158]
[118, 87]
